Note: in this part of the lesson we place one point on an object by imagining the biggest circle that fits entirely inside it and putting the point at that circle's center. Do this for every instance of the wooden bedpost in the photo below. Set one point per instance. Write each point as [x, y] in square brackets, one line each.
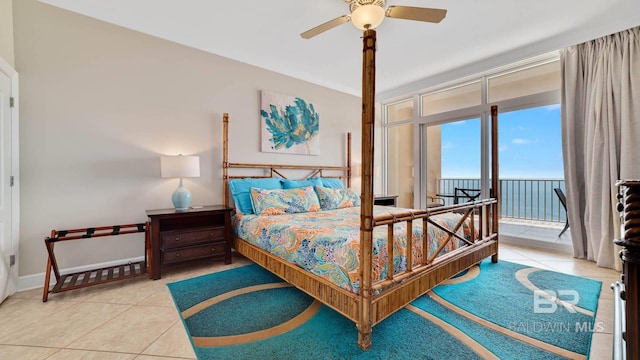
[495, 183]
[366, 202]
[225, 159]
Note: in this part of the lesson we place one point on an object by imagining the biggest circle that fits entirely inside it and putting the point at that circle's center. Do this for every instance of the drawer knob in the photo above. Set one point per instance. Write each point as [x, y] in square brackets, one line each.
[210, 234]
[177, 239]
[177, 255]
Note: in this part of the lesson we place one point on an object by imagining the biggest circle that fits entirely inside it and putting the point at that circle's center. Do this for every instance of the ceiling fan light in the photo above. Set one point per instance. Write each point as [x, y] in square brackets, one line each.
[367, 16]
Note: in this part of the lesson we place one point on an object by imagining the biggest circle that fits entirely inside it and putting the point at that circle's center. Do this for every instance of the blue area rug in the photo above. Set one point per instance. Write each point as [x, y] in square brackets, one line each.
[500, 311]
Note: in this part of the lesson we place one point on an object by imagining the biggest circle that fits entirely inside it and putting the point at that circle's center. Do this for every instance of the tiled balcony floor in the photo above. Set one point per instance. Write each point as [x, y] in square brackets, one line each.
[536, 234]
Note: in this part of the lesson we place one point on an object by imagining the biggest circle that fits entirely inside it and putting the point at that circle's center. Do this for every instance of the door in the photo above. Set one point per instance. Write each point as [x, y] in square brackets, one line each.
[7, 275]
[451, 157]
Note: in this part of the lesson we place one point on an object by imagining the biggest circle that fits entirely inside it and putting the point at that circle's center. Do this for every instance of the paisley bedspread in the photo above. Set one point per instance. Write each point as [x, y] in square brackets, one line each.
[326, 243]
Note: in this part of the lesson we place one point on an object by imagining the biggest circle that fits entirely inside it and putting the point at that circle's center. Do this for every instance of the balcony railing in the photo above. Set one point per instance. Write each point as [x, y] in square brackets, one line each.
[530, 199]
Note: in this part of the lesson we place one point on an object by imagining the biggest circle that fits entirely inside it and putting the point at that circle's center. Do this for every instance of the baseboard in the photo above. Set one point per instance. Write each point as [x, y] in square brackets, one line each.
[29, 282]
[537, 244]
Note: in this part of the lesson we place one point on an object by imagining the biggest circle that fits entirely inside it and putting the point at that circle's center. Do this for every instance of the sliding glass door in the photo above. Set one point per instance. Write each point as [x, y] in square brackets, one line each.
[531, 165]
[452, 160]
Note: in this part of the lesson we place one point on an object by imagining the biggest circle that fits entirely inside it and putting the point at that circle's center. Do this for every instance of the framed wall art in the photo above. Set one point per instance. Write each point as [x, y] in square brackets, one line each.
[290, 125]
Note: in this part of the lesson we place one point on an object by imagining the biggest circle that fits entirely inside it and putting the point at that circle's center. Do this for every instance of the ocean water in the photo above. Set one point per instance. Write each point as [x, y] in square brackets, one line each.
[532, 199]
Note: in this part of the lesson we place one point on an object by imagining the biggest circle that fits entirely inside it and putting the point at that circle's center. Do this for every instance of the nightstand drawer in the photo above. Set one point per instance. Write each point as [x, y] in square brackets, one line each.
[193, 252]
[180, 236]
[181, 239]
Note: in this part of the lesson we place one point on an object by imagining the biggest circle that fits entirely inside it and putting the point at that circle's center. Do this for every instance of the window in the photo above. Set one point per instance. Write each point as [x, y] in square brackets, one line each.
[453, 158]
[400, 111]
[452, 99]
[523, 82]
[400, 166]
[531, 163]
[451, 122]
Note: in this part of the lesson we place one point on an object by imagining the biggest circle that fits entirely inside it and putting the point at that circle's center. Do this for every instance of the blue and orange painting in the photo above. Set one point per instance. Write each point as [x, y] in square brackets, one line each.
[290, 125]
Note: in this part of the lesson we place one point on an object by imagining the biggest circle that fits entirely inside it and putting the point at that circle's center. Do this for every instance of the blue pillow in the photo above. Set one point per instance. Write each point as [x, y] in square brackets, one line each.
[292, 184]
[332, 183]
[241, 191]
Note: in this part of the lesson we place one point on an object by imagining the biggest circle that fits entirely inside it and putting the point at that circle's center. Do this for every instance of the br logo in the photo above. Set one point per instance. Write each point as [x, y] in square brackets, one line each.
[547, 301]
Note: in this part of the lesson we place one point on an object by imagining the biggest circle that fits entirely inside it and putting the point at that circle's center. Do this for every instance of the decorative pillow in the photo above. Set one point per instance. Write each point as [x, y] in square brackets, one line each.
[331, 199]
[282, 201]
[292, 184]
[241, 191]
[333, 183]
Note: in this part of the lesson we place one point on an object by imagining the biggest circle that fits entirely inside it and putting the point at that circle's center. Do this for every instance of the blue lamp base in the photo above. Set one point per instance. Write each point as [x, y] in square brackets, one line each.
[181, 198]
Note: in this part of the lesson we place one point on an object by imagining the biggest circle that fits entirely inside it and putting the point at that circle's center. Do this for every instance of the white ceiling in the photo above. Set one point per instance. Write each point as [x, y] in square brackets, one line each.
[475, 36]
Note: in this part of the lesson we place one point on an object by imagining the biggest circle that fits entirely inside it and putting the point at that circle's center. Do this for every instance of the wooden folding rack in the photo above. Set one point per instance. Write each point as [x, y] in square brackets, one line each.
[83, 279]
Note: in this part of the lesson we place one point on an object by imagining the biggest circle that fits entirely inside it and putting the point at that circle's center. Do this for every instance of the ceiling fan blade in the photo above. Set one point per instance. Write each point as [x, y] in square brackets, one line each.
[326, 26]
[416, 13]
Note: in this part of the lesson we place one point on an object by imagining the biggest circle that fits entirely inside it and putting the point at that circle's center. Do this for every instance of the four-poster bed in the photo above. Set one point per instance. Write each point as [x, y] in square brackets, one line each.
[377, 298]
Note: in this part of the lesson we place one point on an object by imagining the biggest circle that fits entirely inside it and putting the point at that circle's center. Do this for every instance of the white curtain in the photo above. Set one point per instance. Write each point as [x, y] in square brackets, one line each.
[600, 138]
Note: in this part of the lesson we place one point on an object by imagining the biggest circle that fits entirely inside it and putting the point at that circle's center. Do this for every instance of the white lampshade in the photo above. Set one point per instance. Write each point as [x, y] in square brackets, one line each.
[180, 166]
[367, 16]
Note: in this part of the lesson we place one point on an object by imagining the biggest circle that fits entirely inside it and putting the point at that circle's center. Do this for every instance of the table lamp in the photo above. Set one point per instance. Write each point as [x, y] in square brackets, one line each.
[181, 167]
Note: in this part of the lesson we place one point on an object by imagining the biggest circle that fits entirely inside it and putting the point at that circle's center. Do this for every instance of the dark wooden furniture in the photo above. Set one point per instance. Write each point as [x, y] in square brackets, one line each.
[385, 200]
[626, 334]
[177, 236]
[77, 280]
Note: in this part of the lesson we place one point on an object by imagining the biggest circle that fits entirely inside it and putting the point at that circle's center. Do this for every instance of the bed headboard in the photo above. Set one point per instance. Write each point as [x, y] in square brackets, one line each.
[275, 170]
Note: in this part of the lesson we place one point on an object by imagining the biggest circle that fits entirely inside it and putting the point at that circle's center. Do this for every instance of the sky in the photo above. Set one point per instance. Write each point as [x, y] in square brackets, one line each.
[530, 145]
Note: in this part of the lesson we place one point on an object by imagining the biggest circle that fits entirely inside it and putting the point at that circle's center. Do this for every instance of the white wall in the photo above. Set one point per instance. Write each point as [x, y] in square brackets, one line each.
[6, 31]
[100, 104]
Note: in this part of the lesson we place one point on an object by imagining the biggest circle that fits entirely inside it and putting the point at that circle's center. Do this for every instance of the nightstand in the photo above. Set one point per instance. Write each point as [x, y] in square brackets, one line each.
[177, 236]
[385, 200]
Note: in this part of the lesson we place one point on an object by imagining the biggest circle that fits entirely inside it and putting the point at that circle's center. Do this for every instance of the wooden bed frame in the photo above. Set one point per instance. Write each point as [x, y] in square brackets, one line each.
[378, 300]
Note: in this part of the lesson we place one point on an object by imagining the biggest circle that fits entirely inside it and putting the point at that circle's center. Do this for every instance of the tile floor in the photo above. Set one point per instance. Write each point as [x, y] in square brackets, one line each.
[543, 231]
[136, 319]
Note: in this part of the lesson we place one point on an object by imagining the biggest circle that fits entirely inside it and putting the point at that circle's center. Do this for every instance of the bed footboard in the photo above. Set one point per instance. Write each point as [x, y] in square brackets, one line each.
[392, 294]
[341, 300]
[398, 289]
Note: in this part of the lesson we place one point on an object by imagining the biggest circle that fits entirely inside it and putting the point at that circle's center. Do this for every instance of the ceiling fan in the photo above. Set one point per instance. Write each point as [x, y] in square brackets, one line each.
[368, 14]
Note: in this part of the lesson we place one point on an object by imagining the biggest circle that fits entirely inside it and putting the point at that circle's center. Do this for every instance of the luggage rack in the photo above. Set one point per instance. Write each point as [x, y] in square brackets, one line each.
[86, 278]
